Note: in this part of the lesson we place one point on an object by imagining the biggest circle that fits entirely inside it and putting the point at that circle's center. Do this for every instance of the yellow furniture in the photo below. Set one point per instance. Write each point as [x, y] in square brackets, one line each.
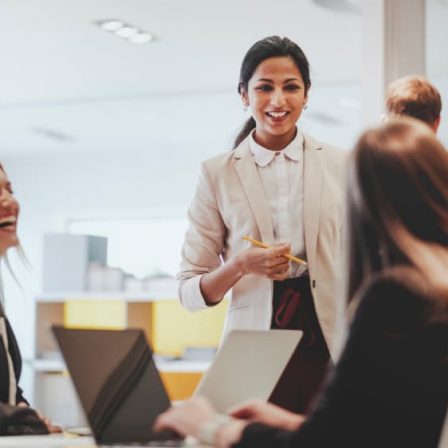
[173, 328]
[169, 328]
[105, 314]
[180, 385]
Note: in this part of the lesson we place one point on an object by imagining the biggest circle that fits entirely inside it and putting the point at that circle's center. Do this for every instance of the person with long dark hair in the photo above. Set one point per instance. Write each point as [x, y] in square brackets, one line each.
[281, 187]
[390, 385]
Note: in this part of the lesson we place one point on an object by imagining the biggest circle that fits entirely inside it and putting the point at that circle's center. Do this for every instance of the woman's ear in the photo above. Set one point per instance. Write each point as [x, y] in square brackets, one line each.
[244, 97]
[307, 92]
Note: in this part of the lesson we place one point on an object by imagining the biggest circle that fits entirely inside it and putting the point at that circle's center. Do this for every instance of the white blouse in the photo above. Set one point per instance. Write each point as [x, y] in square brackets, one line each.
[281, 174]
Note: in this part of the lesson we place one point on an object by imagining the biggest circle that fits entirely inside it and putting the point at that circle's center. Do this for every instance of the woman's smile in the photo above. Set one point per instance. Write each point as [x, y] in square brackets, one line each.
[8, 224]
[277, 116]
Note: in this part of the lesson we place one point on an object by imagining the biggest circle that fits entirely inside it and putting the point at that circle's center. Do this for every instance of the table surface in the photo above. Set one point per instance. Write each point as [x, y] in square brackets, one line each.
[58, 441]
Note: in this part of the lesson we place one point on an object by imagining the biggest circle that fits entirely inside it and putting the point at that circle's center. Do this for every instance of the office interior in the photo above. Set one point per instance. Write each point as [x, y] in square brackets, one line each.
[104, 136]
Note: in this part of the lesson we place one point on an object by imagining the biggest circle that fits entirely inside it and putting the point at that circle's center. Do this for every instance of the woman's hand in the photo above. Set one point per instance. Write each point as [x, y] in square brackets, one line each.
[270, 263]
[267, 414]
[51, 428]
[186, 418]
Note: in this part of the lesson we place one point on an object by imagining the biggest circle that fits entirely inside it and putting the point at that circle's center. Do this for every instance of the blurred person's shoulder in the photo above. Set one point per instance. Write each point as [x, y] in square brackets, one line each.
[398, 290]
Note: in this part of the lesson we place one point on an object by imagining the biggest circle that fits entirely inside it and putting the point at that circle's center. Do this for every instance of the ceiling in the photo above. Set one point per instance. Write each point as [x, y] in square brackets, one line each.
[67, 86]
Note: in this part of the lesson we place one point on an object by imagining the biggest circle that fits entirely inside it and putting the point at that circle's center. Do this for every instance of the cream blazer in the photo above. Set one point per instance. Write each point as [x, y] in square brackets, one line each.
[229, 203]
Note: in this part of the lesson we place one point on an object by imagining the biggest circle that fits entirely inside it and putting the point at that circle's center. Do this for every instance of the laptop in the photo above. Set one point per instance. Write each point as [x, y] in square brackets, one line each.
[121, 392]
[248, 365]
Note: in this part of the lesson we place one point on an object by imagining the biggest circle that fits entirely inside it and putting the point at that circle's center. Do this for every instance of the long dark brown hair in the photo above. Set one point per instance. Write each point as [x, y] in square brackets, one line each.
[398, 204]
[269, 47]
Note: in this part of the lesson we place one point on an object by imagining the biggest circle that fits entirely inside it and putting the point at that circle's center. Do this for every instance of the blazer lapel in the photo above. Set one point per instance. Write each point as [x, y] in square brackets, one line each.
[312, 196]
[247, 172]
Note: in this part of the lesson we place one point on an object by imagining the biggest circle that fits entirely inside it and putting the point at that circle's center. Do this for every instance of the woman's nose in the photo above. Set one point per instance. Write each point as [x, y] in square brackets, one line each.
[277, 98]
[7, 200]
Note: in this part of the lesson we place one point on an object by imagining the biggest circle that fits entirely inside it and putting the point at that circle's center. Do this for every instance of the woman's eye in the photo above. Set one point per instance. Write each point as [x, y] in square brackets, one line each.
[292, 87]
[264, 88]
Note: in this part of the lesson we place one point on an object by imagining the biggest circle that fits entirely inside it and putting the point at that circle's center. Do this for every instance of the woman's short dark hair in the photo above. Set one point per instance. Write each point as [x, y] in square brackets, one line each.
[398, 203]
[269, 47]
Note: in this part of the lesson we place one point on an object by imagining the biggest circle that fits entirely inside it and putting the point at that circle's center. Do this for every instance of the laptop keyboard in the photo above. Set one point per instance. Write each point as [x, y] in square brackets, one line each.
[158, 443]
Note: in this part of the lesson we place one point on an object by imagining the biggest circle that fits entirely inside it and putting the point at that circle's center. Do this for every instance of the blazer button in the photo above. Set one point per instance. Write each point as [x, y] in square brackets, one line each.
[314, 284]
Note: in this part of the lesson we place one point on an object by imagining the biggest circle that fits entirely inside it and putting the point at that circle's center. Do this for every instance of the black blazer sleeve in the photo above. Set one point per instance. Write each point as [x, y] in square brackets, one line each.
[17, 363]
[390, 387]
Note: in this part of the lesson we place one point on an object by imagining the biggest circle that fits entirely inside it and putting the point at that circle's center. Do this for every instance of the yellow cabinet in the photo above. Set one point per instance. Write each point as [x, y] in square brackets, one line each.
[170, 329]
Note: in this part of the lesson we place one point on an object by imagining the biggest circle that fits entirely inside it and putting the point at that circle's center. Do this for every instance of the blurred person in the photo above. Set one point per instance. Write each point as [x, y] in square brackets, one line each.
[390, 385]
[414, 96]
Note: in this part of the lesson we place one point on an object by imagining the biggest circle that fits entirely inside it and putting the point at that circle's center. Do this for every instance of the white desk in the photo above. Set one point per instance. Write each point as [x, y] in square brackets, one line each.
[51, 441]
[57, 441]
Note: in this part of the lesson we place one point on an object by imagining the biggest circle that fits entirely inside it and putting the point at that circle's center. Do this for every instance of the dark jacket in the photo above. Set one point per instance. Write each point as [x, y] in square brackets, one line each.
[4, 371]
[390, 387]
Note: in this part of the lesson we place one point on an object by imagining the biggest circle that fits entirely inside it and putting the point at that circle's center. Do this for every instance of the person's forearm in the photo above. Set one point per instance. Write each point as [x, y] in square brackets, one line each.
[217, 283]
[230, 434]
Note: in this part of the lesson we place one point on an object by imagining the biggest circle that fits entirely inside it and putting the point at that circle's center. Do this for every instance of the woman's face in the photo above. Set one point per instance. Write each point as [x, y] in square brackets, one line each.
[276, 96]
[9, 211]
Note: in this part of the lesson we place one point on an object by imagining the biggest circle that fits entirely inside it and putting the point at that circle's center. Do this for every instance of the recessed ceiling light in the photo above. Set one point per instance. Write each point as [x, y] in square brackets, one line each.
[128, 32]
[140, 38]
[111, 25]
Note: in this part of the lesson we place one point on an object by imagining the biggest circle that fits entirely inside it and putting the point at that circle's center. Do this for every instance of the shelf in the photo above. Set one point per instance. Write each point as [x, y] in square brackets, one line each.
[177, 366]
[162, 289]
[46, 365]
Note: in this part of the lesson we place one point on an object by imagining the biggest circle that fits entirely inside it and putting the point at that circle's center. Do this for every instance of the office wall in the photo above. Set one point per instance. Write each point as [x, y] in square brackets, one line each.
[53, 189]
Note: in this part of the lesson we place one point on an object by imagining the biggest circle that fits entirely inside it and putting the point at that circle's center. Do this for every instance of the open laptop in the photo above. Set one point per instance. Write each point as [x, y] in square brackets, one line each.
[120, 389]
[248, 365]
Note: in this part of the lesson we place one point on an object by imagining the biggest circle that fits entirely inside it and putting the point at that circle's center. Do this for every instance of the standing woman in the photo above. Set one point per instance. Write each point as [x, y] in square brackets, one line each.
[285, 189]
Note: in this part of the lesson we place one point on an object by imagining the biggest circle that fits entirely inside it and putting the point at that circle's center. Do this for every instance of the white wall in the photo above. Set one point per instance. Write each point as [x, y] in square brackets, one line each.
[53, 189]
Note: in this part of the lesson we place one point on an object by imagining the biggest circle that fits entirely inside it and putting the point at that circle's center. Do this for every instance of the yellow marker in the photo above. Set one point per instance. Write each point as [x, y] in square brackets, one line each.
[265, 246]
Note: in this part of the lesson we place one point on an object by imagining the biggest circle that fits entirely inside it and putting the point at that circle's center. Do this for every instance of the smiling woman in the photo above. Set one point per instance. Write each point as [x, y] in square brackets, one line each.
[14, 412]
[9, 211]
[284, 189]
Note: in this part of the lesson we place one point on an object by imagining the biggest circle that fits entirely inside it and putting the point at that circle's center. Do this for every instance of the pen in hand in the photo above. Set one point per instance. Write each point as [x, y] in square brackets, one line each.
[265, 246]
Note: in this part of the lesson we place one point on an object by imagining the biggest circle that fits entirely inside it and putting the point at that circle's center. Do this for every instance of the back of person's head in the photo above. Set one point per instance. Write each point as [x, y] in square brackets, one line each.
[416, 97]
[398, 203]
[269, 47]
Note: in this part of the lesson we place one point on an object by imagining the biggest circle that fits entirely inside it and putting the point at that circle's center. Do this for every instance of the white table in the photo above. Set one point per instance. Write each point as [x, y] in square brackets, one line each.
[57, 441]
[50, 441]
